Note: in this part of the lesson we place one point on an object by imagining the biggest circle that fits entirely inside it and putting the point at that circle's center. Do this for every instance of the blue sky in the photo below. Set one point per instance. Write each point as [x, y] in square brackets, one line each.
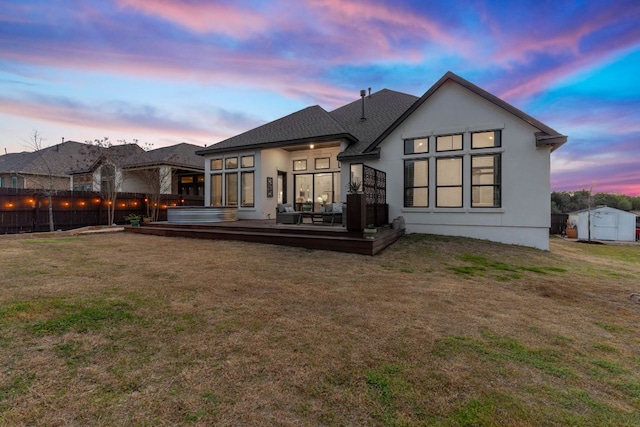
[165, 72]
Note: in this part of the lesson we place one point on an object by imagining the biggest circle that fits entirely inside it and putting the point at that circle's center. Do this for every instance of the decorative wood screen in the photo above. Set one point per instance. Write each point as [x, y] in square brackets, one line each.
[374, 185]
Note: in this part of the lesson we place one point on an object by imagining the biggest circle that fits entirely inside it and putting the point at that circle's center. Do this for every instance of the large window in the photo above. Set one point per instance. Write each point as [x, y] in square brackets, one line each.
[231, 189]
[247, 189]
[231, 163]
[216, 190]
[449, 182]
[234, 184]
[485, 181]
[216, 164]
[449, 142]
[299, 165]
[416, 183]
[313, 190]
[247, 161]
[416, 146]
[486, 139]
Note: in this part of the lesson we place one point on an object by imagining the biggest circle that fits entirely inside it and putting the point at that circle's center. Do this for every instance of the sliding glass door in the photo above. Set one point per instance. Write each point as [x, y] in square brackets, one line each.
[313, 190]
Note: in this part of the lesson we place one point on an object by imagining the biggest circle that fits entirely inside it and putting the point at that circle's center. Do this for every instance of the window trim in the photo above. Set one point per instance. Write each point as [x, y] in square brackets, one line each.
[406, 188]
[211, 167]
[461, 135]
[495, 186]
[412, 142]
[498, 139]
[253, 189]
[228, 193]
[227, 160]
[460, 186]
[302, 162]
[321, 167]
[249, 156]
[221, 199]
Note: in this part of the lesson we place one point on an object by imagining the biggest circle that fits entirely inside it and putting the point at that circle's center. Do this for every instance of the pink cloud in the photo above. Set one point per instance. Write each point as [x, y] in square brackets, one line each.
[379, 31]
[172, 61]
[63, 112]
[541, 81]
[204, 17]
[613, 171]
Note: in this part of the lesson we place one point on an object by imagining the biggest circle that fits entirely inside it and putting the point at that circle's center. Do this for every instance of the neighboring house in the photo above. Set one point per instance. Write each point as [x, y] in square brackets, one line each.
[458, 161]
[78, 166]
[179, 171]
[605, 223]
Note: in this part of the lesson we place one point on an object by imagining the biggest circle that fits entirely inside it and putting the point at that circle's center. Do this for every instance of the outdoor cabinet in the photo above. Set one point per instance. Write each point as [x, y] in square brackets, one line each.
[356, 212]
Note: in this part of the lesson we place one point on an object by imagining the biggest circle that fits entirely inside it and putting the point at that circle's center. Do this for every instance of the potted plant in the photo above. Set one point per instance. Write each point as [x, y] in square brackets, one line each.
[354, 187]
[356, 207]
[133, 219]
[369, 232]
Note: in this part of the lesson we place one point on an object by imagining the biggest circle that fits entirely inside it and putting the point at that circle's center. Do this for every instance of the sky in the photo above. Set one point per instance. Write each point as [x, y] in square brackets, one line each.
[164, 72]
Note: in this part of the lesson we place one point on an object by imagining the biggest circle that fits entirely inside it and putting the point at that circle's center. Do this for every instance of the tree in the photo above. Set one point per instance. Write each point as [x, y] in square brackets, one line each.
[48, 180]
[111, 177]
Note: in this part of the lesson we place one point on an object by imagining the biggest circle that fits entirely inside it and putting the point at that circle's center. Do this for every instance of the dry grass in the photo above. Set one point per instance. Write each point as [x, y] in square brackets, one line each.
[133, 330]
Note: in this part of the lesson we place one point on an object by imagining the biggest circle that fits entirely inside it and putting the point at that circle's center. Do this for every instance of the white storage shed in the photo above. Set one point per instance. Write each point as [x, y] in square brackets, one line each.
[606, 224]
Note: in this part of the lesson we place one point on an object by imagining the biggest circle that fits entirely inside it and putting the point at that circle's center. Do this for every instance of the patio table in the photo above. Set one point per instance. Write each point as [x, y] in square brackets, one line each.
[317, 217]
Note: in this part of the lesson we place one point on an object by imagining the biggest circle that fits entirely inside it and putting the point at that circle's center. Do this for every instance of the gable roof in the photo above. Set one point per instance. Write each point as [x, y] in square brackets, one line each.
[71, 157]
[181, 155]
[382, 108]
[545, 137]
[316, 124]
[385, 110]
[59, 159]
[311, 123]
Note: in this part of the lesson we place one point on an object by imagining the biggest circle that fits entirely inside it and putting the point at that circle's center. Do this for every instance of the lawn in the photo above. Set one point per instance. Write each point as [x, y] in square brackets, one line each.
[133, 330]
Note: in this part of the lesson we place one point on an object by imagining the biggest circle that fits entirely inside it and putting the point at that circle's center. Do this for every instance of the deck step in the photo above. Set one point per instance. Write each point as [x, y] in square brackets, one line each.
[341, 241]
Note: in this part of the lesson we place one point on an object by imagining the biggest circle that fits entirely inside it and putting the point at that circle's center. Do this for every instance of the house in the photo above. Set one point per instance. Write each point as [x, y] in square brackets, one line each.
[604, 223]
[79, 166]
[455, 161]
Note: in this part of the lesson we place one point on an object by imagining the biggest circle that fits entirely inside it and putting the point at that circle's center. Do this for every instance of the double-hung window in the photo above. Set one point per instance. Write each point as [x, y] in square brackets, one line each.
[486, 175]
[449, 182]
[485, 181]
[416, 183]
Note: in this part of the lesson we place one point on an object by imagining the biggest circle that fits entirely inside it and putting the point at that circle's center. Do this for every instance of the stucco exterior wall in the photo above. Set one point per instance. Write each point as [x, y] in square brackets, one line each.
[524, 215]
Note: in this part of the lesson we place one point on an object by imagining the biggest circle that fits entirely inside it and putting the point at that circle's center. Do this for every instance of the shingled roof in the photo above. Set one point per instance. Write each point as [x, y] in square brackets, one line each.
[181, 155]
[384, 111]
[311, 123]
[545, 137]
[316, 124]
[60, 159]
[381, 109]
[73, 157]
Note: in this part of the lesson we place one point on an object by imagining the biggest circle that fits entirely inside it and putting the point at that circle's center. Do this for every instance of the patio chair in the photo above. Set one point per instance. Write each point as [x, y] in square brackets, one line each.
[286, 214]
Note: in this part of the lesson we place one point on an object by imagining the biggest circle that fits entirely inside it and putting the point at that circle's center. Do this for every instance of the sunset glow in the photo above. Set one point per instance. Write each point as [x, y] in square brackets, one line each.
[198, 71]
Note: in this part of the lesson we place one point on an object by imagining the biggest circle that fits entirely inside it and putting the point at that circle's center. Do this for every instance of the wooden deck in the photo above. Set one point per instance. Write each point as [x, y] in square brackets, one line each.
[324, 237]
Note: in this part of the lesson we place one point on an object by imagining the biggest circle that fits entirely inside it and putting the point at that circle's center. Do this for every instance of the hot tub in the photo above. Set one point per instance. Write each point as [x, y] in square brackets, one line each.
[200, 214]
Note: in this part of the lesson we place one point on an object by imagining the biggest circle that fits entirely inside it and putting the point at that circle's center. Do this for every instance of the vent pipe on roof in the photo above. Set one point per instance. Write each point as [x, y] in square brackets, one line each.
[363, 93]
[369, 92]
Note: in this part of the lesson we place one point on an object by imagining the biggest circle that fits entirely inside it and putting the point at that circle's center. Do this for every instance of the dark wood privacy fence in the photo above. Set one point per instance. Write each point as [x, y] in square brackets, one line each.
[558, 223]
[23, 210]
